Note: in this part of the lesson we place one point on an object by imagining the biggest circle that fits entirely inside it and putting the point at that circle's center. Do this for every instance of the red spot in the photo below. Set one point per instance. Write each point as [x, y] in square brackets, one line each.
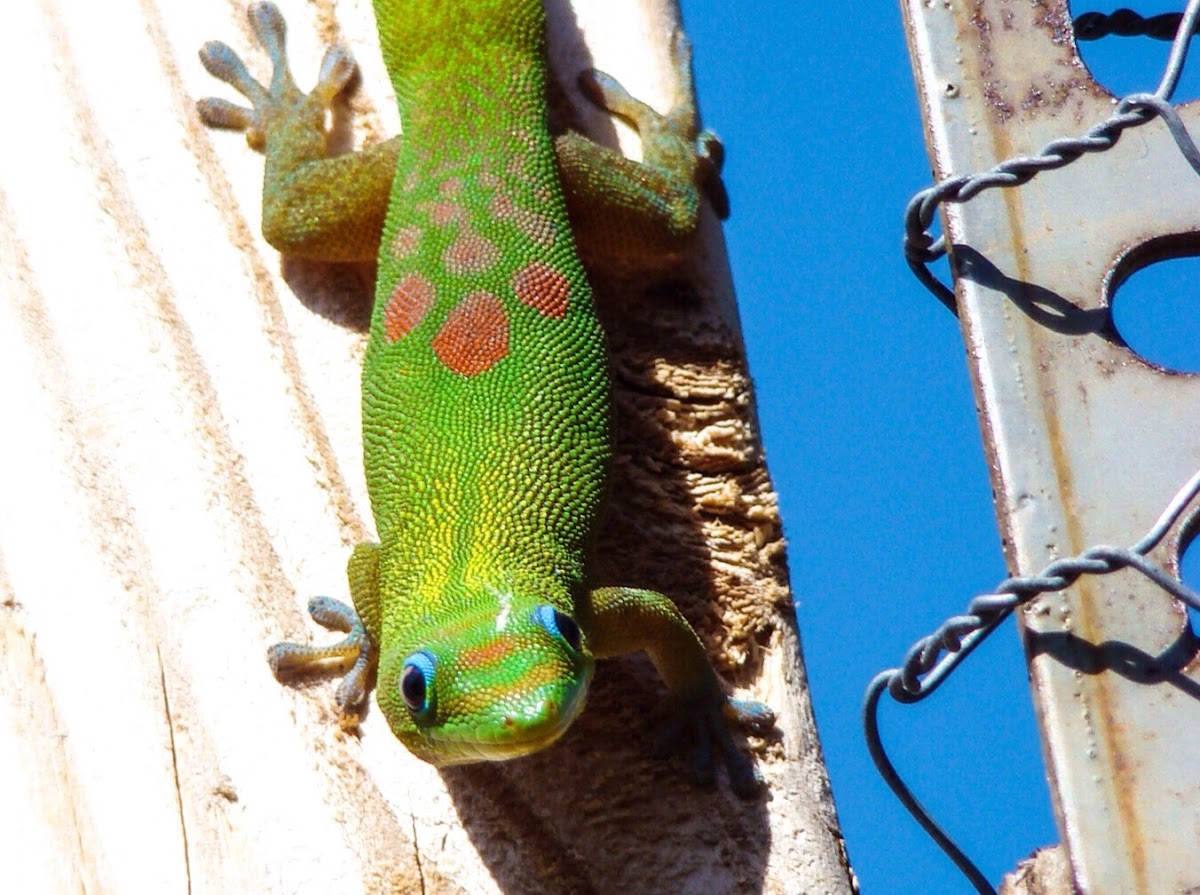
[406, 242]
[536, 227]
[544, 289]
[516, 165]
[442, 213]
[474, 337]
[533, 225]
[451, 186]
[470, 253]
[502, 206]
[410, 302]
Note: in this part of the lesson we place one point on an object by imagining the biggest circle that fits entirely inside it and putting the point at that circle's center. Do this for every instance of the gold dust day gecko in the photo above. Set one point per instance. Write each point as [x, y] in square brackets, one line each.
[486, 398]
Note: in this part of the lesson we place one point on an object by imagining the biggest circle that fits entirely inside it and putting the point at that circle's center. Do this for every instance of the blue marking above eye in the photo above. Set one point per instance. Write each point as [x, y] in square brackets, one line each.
[559, 624]
[416, 682]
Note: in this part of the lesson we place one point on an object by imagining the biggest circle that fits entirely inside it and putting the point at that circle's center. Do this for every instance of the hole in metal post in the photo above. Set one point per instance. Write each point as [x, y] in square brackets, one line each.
[1133, 64]
[1156, 311]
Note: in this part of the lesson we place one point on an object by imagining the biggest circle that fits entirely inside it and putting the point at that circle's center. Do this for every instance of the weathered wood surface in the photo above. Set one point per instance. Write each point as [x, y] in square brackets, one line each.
[180, 470]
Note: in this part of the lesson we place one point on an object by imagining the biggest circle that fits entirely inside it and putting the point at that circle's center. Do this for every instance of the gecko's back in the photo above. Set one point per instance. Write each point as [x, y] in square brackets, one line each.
[485, 393]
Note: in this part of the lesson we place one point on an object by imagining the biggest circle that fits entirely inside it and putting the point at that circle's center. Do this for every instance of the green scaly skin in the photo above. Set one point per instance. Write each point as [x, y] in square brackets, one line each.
[486, 407]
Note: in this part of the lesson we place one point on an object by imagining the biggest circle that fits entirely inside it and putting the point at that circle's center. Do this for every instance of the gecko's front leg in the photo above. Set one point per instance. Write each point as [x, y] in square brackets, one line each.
[315, 206]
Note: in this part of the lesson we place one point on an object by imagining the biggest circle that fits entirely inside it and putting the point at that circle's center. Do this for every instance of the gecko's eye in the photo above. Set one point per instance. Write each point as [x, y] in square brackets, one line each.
[416, 682]
[559, 624]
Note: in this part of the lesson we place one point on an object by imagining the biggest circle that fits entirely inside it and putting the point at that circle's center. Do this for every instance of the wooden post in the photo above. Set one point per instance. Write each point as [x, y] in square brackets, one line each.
[181, 471]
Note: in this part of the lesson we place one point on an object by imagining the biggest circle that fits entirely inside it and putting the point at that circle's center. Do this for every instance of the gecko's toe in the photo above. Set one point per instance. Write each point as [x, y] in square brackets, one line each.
[699, 733]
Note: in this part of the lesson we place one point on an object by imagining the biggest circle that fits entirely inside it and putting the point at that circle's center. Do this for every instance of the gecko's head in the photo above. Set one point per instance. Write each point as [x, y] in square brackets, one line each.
[487, 689]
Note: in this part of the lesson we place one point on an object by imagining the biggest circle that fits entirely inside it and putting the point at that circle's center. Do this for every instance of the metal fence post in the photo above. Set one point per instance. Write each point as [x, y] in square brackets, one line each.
[1087, 442]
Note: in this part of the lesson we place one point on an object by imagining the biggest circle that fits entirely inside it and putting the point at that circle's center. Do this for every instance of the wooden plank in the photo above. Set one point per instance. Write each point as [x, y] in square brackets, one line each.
[181, 471]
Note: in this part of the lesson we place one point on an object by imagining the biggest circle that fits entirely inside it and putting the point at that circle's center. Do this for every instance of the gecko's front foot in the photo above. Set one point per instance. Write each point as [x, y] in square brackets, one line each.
[282, 101]
[700, 731]
[670, 142]
[354, 654]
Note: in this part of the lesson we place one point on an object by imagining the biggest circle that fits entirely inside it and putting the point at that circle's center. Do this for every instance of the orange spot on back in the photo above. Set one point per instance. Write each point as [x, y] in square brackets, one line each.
[451, 186]
[516, 166]
[406, 241]
[474, 337]
[502, 206]
[470, 253]
[442, 213]
[544, 289]
[537, 227]
[410, 302]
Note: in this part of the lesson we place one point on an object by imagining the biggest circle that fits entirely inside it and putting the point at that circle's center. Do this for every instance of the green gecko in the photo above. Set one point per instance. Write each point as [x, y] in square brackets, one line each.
[486, 404]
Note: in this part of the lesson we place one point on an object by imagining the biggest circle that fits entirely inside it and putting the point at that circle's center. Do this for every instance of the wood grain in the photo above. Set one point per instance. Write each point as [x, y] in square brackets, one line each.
[180, 470]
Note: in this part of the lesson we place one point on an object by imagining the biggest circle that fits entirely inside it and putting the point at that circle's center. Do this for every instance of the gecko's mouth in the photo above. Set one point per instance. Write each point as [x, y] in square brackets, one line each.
[514, 739]
[511, 732]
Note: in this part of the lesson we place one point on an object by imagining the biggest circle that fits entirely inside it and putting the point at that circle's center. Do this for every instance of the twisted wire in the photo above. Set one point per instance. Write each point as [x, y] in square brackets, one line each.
[921, 248]
[1126, 23]
[932, 658]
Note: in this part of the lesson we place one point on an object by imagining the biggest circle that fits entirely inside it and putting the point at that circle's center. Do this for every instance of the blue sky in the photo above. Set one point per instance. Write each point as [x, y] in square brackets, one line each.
[869, 419]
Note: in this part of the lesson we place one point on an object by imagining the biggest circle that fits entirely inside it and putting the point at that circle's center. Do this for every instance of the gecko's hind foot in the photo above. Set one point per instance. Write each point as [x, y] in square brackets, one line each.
[700, 731]
[353, 655]
[282, 99]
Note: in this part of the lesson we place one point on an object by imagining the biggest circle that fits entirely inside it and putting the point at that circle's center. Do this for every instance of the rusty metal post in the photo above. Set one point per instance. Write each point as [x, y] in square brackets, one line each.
[1087, 442]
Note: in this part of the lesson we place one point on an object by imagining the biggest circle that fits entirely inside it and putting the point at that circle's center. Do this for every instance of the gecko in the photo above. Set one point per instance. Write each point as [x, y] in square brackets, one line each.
[486, 405]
